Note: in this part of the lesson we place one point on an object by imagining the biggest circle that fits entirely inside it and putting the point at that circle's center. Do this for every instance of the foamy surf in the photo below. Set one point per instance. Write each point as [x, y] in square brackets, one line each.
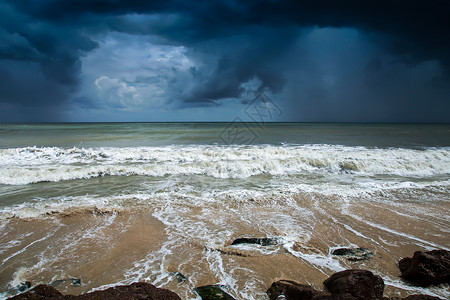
[27, 165]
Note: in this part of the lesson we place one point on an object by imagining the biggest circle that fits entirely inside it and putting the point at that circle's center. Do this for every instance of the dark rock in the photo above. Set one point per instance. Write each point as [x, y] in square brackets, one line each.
[291, 290]
[361, 284]
[421, 297]
[426, 268]
[138, 290]
[256, 241]
[76, 281]
[24, 286]
[42, 291]
[414, 297]
[178, 276]
[135, 291]
[335, 297]
[73, 281]
[353, 254]
[212, 292]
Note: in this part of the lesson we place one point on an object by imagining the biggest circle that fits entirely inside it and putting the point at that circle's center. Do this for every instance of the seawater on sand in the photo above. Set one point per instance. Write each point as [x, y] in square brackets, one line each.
[169, 214]
[154, 243]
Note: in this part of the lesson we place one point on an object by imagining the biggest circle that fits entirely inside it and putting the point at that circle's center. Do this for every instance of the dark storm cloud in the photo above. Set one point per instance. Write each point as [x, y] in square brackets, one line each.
[39, 62]
[420, 26]
[43, 41]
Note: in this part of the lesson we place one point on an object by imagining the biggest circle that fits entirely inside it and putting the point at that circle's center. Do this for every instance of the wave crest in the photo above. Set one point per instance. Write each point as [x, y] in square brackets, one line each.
[20, 166]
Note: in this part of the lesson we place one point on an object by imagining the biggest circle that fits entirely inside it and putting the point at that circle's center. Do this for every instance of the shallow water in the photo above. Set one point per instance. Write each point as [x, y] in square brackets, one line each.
[117, 203]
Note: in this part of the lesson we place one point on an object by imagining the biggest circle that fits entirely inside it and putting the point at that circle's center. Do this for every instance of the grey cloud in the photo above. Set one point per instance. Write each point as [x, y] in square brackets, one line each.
[230, 42]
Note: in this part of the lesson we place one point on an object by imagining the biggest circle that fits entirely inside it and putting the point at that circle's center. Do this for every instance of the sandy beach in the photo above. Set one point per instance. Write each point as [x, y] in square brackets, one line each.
[157, 244]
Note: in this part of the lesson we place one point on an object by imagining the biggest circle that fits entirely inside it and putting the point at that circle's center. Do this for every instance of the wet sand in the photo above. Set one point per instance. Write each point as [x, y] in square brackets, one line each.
[156, 243]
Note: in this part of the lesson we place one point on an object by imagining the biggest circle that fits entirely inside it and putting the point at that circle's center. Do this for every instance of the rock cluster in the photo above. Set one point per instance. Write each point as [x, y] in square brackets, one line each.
[423, 269]
[345, 285]
[138, 290]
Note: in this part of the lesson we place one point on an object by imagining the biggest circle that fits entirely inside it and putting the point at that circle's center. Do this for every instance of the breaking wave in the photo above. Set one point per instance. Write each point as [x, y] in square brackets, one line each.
[20, 166]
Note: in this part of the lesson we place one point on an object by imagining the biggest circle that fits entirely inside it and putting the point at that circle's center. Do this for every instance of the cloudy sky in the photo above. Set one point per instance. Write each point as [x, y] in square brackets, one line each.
[137, 60]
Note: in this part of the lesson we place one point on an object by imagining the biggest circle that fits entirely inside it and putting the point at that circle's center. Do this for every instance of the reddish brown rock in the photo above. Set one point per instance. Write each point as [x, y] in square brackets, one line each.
[414, 297]
[292, 290]
[135, 291]
[361, 284]
[421, 297]
[426, 268]
[42, 291]
[335, 297]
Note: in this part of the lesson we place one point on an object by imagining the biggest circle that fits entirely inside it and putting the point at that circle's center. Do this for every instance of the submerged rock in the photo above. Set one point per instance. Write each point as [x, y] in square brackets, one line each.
[426, 268]
[73, 281]
[286, 289]
[414, 297]
[421, 297]
[361, 284]
[228, 251]
[256, 241]
[353, 254]
[23, 286]
[178, 276]
[212, 292]
[138, 290]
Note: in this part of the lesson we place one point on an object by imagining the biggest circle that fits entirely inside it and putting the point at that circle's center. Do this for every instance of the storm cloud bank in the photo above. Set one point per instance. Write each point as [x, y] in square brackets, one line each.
[320, 60]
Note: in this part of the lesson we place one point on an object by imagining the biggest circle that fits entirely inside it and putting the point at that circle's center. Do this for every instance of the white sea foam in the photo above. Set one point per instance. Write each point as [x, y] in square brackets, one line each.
[435, 291]
[20, 166]
[317, 260]
[281, 194]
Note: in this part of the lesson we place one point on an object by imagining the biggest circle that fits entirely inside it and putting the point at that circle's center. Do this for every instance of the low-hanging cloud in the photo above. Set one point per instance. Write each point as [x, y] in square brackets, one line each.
[298, 49]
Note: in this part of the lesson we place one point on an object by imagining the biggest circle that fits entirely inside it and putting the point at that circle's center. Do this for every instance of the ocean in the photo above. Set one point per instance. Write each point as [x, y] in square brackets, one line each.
[85, 206]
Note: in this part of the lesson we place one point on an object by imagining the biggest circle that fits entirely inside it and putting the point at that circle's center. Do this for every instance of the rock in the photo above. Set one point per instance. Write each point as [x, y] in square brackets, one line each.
[228, 251]
[256, 241]
[178, 276]
[414, 297]
[23, 286]
[353, 254]
[426, 268]
[138, 290]
[421, 297]
[361, 284]
[212, 292]
[335, 297]
[42, 291]
[73, 281]
[76, 281]
[291, 290]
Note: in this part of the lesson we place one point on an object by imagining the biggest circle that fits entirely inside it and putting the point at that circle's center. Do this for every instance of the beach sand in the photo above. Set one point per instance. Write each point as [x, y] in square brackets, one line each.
[159, 243]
